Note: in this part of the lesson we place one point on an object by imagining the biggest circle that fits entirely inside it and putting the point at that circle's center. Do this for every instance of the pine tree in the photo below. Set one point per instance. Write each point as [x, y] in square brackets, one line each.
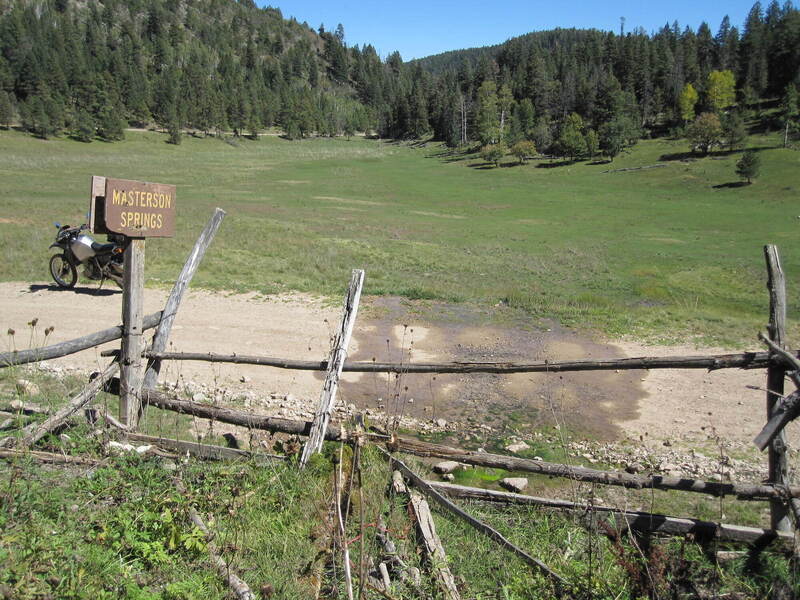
[734, 132]
[6, 109]
[749, 166]
[84, 128]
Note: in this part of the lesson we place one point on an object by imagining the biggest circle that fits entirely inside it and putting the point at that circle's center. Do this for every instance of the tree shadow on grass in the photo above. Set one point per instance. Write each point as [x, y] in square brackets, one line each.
[86, 291]
[731, 184]
[692, 156]
[555, 165]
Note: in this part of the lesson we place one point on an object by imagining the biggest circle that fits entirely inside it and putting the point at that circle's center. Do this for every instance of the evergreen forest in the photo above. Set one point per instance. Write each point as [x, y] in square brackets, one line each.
[90, 69]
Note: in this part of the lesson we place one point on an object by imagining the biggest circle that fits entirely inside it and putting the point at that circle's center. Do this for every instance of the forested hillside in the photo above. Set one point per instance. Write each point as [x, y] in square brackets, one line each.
[91, 68]
[201, 64]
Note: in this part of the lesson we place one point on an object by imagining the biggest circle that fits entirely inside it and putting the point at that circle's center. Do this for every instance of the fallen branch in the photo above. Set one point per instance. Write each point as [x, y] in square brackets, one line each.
[35, 431]
[743, 491]
[48, 457]
[21, 357]
[746, 360]
[238, 587]
[434, 550]
[429, 491]
[203, 451]
[636, 520]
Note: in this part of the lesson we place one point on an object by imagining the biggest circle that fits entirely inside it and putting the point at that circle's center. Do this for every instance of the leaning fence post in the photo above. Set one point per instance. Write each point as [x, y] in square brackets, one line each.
[335, 363]
[176, 295]
[778, 467]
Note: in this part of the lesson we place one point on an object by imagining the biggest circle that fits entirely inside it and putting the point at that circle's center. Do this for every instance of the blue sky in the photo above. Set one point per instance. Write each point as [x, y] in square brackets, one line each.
[420, 28]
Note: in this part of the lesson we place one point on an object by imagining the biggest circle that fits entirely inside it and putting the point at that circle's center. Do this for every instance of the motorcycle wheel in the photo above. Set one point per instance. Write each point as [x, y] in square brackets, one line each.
[64, 273]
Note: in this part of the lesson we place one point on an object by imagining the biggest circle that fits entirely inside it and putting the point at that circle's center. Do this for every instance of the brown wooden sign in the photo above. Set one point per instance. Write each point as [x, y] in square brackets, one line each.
[138, 209]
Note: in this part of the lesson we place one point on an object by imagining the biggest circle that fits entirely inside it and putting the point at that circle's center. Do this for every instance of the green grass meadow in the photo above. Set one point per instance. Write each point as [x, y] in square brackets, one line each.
[661, 254]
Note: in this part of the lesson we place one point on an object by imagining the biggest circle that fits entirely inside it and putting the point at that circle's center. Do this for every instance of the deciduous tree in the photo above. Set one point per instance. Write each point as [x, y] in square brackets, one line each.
[721, 90]
[493, 153]
[523, 150]
[687, 101]
[705, 132]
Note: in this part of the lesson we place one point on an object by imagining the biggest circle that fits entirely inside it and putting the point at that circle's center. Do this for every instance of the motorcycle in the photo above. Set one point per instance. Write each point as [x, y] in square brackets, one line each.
[100, 261]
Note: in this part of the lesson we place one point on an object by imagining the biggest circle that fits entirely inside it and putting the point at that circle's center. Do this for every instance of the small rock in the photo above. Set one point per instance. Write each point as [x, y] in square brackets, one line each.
[448, 477]
[290, 398]
[441, 423]
[518, 447]
[447, 466]
[245, 379]
[27, 388]
[169, 465]
[634, 467]
[199, 397]
[514, 484]
[537, 458]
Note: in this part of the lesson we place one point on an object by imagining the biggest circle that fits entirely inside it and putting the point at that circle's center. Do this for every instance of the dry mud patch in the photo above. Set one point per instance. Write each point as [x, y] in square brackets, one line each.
[672, 407]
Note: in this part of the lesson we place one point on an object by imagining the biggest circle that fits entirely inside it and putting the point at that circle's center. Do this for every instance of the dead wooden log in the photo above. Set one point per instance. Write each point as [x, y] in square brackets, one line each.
[336, 361]
[785, 411]
[636, 520]
[743, 491]
[203, 451]
[47, 457]
[434, 550]
[176, 295]
[235, 417]
[21, 357]
[478, 525]
[36, 431]
[712, 362]
[778, 463]
[237, 586]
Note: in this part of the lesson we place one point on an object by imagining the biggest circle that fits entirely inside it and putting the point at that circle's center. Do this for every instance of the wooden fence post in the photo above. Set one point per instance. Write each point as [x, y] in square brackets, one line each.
[335, 363]
[130, 380]
[778, 468]
[176, 295]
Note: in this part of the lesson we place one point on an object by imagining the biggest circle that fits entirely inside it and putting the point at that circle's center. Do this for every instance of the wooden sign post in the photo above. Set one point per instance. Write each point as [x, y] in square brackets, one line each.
[137, 210]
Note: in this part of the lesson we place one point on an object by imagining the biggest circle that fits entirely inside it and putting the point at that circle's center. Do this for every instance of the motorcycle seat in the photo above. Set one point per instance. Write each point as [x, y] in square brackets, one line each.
[103, 248]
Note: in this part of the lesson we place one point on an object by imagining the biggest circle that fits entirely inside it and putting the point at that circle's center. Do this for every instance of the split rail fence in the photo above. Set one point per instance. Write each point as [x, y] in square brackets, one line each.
[140, 391]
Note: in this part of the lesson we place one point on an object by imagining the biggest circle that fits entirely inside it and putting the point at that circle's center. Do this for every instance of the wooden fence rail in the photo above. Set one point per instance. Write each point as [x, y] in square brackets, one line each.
[743, 491]
[712, 362]
[21, 357]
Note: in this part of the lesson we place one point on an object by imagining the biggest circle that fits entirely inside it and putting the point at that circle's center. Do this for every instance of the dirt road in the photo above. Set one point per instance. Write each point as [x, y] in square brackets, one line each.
[658, 405]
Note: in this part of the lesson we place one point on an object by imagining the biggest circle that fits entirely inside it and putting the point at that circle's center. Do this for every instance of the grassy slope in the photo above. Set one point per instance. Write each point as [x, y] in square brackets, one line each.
[658, 253]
